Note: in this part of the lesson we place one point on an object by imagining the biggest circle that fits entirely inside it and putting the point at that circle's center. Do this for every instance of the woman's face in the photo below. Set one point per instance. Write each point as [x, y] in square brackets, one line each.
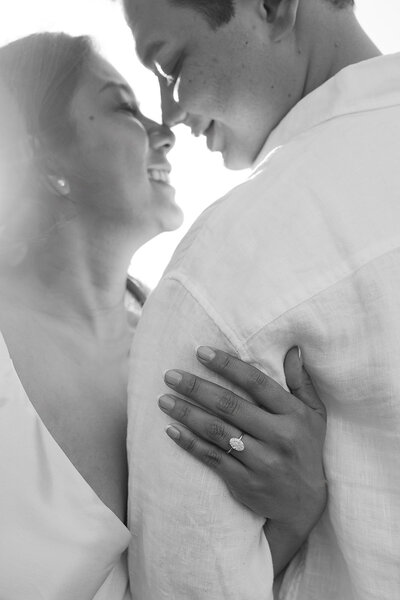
[119, 173]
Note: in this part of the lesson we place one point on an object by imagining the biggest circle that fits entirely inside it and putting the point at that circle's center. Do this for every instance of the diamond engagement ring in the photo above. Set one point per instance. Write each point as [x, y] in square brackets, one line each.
[236, 444]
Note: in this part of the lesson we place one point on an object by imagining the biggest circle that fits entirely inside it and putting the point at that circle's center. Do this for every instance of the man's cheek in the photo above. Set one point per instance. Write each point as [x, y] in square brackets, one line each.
[194, 91]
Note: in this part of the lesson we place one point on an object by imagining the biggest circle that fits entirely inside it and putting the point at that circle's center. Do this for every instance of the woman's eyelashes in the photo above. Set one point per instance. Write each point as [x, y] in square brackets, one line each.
[130, 108]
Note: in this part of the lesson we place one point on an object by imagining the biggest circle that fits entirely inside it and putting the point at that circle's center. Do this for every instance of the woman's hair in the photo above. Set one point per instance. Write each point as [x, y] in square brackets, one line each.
[221, 12]
[42, 72]
[39, 75]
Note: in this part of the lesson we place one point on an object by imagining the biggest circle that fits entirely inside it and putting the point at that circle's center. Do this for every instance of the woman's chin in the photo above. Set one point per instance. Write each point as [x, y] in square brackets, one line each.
[173, 220]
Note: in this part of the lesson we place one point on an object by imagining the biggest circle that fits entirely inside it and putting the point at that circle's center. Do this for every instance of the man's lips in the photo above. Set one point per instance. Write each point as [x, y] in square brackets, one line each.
[211, 135]
[210, 131]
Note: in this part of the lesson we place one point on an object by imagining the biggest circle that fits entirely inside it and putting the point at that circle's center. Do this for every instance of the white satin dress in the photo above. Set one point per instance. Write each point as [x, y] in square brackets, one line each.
[58, 540]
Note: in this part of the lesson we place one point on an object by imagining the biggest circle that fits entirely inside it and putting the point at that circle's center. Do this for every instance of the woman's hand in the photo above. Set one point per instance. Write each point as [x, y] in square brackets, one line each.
[279, 472]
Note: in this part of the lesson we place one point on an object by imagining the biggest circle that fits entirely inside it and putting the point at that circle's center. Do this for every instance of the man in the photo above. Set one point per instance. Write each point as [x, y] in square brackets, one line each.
[306, 252]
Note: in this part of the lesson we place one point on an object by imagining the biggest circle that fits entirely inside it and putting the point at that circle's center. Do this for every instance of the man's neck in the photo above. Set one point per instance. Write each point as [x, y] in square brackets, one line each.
[339, 42]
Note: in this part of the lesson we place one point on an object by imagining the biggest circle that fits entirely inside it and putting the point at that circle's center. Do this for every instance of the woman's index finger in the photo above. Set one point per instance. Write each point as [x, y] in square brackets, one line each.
[260, 387]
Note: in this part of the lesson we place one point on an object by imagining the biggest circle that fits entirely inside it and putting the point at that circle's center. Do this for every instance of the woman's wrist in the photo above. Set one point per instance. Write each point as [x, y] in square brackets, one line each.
[286, 539]
[284, 543]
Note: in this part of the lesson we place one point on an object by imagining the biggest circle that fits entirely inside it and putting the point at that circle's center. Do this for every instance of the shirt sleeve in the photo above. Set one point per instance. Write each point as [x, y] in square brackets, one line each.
[191, 539]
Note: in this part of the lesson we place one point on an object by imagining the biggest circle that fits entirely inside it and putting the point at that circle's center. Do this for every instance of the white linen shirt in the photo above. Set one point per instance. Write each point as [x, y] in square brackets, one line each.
[306, 252]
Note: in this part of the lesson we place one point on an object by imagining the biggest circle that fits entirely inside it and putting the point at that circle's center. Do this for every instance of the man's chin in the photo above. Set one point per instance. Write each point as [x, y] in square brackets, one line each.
[244, 154]
[236, 161]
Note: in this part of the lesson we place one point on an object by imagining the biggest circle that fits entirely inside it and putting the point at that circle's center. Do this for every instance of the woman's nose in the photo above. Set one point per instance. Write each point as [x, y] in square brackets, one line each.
[161, 137]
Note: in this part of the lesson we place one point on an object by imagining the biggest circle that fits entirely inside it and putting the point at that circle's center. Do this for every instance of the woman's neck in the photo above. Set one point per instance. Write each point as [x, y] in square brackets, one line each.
[77, 275]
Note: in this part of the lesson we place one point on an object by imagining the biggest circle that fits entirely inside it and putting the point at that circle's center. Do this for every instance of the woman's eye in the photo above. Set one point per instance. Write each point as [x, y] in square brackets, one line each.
[130, 108]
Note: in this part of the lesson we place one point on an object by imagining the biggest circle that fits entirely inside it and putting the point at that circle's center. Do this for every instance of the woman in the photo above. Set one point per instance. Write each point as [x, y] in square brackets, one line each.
[84, 183]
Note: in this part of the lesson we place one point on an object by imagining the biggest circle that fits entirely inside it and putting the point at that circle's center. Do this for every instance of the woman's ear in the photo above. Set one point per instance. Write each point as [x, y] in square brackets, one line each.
[49, 171]
[58, 184]
[281, 16]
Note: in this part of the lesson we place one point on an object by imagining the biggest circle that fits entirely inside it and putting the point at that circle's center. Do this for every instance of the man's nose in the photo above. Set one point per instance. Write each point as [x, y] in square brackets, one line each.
[172, 112]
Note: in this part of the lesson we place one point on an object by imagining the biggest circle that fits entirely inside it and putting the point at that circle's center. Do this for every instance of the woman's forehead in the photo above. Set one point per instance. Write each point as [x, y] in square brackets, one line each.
[100, 73]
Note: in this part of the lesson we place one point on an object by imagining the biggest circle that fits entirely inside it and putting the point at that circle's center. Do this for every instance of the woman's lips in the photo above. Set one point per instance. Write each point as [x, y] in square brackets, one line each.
[159, 175]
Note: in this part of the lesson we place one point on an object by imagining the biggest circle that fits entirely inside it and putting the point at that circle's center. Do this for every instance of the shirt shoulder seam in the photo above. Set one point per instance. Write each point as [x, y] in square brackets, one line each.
[227, 331]
[192, 289]
[318, 293]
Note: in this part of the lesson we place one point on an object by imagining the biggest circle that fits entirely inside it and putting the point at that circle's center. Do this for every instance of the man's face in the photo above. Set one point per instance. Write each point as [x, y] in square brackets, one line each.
[232, 84]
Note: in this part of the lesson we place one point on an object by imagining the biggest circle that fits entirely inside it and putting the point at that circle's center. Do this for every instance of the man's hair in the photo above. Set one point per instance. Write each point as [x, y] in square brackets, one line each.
[342, 3]
[220, 12]
[216, 13]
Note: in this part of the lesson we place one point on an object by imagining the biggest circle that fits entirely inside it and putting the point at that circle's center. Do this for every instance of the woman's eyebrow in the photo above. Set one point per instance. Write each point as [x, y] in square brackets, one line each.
[120, 86]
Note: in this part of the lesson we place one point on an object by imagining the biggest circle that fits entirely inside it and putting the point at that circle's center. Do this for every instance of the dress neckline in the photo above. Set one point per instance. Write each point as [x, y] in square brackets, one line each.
[77, 475]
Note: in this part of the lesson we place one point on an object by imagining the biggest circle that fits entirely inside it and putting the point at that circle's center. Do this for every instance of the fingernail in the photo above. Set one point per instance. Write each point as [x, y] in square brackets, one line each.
[205, 353]
[173, 378]
[173, 432]
[300, 355]
[166, 403]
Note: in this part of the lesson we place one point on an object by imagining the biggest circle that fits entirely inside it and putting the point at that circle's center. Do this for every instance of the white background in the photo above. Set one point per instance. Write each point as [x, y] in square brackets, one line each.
[199, 176]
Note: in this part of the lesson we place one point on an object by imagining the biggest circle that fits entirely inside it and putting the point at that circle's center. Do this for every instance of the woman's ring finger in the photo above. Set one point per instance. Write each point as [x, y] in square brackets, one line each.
[209, 427]
[236, 443]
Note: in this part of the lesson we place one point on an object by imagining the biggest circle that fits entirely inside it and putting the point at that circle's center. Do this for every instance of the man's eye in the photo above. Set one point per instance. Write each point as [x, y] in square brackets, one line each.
[170, 79]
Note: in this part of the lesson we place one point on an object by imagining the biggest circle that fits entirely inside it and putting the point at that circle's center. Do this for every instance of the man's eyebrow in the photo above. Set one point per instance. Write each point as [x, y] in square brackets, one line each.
[120, 86]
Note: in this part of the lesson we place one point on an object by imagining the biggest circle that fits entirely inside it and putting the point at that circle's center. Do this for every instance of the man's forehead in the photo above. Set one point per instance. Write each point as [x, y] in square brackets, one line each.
[139, 10]
[150, 14]
[146, 19]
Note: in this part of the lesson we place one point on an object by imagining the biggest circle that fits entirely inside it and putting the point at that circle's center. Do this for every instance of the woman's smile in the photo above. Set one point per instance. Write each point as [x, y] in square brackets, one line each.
[159, 174]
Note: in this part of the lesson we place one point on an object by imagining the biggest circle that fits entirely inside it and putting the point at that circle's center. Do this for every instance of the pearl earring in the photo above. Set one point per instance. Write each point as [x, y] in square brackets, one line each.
[60, 185]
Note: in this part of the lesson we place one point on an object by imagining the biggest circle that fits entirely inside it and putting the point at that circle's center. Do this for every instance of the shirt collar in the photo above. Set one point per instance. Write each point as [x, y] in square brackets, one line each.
[364, 86]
